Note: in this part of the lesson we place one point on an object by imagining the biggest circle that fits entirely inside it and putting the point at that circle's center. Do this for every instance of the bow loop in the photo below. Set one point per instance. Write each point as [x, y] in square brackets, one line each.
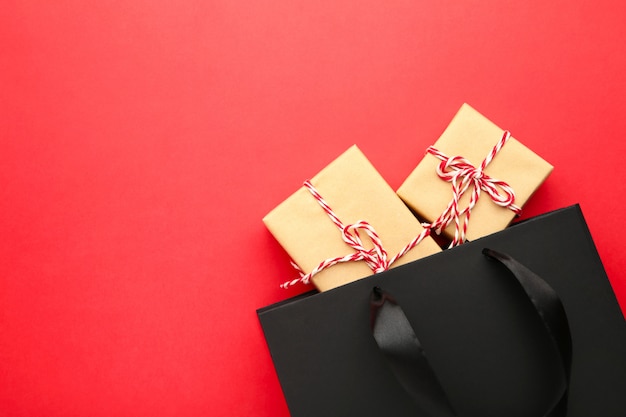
[375, 257]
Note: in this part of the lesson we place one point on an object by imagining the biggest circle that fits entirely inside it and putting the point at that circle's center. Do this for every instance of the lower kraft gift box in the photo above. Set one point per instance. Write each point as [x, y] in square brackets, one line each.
[522, 322]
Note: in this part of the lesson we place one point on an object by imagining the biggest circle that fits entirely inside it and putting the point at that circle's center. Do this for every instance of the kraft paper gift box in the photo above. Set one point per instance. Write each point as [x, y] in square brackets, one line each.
[482, 338]
[355, 191]
[473, 136]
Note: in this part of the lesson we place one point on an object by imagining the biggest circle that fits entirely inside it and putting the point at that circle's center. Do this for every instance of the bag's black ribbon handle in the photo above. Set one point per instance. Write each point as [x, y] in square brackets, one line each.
[402, 349]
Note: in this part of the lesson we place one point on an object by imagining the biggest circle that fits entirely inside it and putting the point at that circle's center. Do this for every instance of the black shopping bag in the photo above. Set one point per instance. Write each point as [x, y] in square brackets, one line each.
[483, 338]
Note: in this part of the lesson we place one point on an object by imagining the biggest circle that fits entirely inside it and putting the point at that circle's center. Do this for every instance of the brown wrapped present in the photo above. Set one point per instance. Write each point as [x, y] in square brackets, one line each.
[479, 159]
[354, 192]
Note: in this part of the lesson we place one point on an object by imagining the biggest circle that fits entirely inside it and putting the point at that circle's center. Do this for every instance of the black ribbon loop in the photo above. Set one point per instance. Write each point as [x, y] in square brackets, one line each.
[552, 313]
[404, 353]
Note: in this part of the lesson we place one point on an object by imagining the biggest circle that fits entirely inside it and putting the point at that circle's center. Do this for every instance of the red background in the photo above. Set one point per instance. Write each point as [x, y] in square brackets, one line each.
[141, 143]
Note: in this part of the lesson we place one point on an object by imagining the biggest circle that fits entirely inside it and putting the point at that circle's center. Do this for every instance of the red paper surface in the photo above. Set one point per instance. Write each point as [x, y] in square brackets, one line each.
[141, 143]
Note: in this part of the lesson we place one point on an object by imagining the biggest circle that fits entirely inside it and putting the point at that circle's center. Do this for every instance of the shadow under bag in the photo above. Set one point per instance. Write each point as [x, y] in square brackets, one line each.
[519, 323]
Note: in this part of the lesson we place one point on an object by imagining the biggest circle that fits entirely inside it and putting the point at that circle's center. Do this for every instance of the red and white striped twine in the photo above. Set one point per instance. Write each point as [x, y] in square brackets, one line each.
[463, 175]
[376, 257]
[456, 170]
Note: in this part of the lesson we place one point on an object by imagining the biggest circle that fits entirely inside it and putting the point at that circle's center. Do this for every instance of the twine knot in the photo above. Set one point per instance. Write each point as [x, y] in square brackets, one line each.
[463, 175]
[376, 257]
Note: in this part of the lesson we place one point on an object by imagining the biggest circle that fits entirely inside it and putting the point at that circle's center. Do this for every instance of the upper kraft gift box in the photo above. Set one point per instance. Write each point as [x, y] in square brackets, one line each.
[483, 338]
[357, 193]
[483, 161]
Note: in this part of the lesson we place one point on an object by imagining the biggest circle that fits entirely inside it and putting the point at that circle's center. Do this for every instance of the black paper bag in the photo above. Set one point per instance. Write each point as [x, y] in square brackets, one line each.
[482, 336]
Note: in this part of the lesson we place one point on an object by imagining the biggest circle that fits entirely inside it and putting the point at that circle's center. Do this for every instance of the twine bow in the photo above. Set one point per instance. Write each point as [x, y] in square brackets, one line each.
[376, 258]
[463, 175]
